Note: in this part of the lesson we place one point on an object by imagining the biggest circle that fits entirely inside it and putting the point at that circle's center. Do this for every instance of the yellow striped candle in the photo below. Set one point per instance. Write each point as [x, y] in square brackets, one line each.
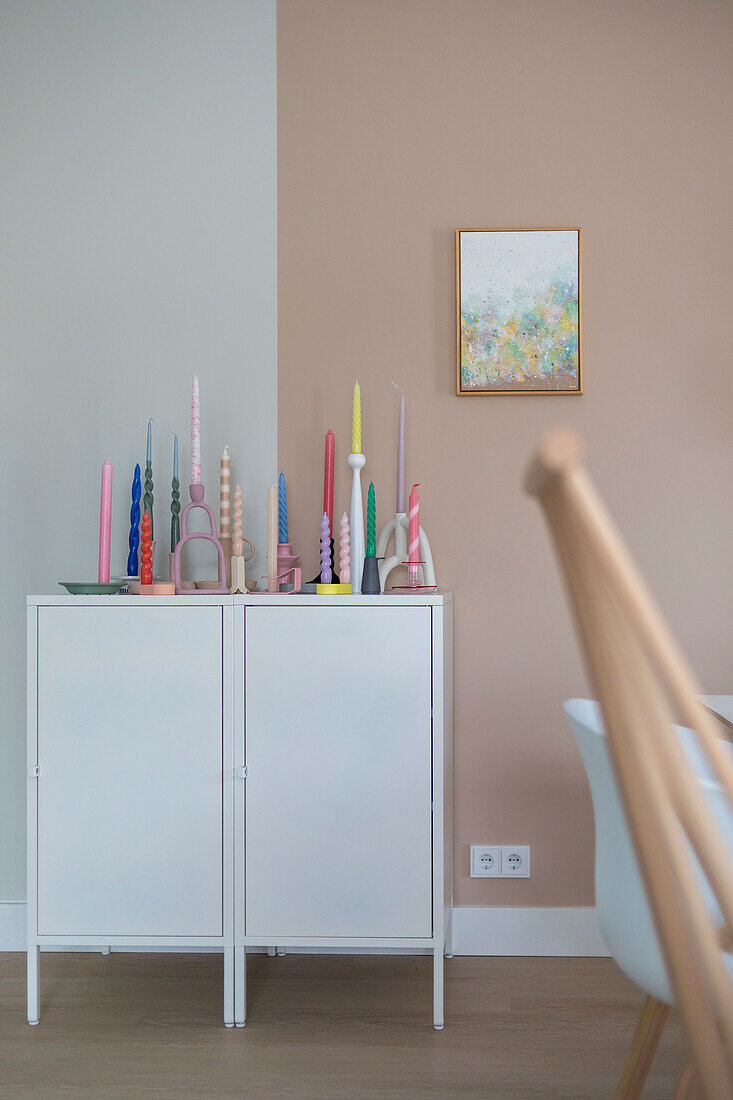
[356, 421]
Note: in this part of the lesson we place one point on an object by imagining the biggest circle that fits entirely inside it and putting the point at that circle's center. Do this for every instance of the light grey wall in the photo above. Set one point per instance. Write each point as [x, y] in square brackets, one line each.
[138, 247]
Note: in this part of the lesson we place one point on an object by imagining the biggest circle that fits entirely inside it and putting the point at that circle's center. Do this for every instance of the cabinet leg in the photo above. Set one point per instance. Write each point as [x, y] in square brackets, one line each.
[229, 987]
[240, 986]
[438, 987]
[271, 951]
[34, 983]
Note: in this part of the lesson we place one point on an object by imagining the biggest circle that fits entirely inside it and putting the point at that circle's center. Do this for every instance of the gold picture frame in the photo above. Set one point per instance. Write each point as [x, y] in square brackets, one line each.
[549, 348]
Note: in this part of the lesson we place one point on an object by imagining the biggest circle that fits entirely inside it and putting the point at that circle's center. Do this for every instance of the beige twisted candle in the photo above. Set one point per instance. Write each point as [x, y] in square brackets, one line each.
[345, 545]
[237, 539]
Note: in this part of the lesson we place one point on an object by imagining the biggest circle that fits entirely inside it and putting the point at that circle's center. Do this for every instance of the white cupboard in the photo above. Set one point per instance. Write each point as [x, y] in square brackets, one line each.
[239, 772]
[338, 807]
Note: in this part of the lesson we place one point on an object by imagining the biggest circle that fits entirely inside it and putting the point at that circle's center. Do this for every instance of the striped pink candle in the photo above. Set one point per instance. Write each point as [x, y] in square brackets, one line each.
[225, 468]
[413, 535]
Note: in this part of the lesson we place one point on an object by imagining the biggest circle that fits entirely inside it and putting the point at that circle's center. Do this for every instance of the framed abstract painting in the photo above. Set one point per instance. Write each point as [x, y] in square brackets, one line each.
[518, 311]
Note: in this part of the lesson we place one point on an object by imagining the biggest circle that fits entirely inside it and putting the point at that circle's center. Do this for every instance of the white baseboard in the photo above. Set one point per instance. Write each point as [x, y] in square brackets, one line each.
[12, 926]
[478, 930]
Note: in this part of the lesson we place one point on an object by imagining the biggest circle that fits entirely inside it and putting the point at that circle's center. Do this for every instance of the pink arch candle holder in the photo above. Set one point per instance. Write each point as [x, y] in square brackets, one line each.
[197, 501]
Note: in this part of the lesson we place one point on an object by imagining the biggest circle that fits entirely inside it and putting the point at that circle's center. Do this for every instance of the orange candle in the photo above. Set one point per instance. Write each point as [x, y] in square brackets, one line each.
[146, 550]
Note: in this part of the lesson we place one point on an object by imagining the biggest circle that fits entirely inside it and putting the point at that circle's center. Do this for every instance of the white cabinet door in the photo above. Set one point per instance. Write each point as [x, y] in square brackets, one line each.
[130, 784]
[338, 790]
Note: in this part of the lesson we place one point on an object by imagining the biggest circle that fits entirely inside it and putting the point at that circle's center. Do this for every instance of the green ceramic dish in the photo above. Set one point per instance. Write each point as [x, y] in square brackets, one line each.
[90, 588]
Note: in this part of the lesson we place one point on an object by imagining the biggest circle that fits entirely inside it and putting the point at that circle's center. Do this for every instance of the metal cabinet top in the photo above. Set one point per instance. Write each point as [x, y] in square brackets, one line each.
[397, 599]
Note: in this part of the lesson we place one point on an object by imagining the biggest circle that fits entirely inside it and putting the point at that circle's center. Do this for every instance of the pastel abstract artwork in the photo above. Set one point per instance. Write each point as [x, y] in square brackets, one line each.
[518, 311]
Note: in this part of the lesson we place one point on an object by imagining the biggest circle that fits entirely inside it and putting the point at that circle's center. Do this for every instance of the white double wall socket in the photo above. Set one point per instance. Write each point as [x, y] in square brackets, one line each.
[499, 861]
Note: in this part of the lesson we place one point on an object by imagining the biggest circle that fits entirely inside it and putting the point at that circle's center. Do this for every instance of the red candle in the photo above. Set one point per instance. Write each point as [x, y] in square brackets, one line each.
[328, 477]
[146, 550]
[413, 535]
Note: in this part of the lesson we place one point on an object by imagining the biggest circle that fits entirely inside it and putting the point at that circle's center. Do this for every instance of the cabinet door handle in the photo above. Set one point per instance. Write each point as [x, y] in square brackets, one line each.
[34, 772]
[242, 772]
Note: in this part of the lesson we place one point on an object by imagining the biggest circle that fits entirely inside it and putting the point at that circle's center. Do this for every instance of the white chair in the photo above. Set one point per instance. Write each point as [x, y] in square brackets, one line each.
[675, 785]
[623, 911]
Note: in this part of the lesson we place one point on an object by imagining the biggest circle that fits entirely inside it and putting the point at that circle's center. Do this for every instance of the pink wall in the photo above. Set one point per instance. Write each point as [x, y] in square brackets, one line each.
[400, 120]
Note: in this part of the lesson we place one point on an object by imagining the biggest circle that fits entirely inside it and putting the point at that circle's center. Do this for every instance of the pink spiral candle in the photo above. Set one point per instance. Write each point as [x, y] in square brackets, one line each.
[195, 433]
[413, 535]
[345, 545]
[325, 550]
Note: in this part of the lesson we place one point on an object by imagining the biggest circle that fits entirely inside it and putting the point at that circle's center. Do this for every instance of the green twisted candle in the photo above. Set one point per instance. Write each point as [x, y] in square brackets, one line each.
[371, 531]
[148, 496]
[175, 514]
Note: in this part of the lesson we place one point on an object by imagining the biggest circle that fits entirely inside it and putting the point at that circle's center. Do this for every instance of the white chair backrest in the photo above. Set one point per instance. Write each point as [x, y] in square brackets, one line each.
[644, 685]
[623, 911]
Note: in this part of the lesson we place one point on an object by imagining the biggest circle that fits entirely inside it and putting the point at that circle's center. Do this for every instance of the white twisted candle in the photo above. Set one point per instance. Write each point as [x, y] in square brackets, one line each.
[345, 546]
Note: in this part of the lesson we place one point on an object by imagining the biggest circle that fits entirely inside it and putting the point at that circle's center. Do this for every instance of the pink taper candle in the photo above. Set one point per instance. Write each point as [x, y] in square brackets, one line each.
[195, 433]
[105, 523]
[401, 456]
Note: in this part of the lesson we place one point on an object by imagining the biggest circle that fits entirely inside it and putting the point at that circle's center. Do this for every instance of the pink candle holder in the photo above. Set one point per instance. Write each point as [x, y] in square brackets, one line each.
[197, 501]
[286, 567]
[414, 578]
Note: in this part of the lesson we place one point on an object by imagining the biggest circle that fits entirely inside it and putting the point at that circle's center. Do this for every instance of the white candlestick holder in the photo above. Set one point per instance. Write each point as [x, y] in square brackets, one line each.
[356, 522]
[397, 529]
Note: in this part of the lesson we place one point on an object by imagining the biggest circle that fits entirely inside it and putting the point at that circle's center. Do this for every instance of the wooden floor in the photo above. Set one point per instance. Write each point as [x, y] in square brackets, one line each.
[128, 1025]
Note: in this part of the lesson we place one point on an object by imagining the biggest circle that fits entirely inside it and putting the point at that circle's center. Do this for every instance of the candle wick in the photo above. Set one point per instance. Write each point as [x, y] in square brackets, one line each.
[397, 387]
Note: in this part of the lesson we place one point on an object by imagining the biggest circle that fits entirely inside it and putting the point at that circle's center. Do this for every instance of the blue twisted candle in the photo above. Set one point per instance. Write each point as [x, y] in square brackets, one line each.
[282, 509]
[134, 539]
[325, 550]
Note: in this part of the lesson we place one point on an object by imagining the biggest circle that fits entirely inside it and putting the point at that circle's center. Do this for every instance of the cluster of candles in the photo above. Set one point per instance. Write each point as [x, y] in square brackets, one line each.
[352, 555]
[357, 549]
[141, 541]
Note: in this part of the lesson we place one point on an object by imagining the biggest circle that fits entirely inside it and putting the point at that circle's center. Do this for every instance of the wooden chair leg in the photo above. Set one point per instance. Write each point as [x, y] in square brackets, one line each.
[643, 1047]
[688, 1085]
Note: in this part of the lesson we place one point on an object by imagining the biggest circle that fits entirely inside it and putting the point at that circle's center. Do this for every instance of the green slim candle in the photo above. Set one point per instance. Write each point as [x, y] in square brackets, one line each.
[175, 514]
[371, 531]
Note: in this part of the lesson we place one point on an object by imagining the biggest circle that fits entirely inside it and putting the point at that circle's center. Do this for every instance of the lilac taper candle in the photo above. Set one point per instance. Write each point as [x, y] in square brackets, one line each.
[401, 455]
